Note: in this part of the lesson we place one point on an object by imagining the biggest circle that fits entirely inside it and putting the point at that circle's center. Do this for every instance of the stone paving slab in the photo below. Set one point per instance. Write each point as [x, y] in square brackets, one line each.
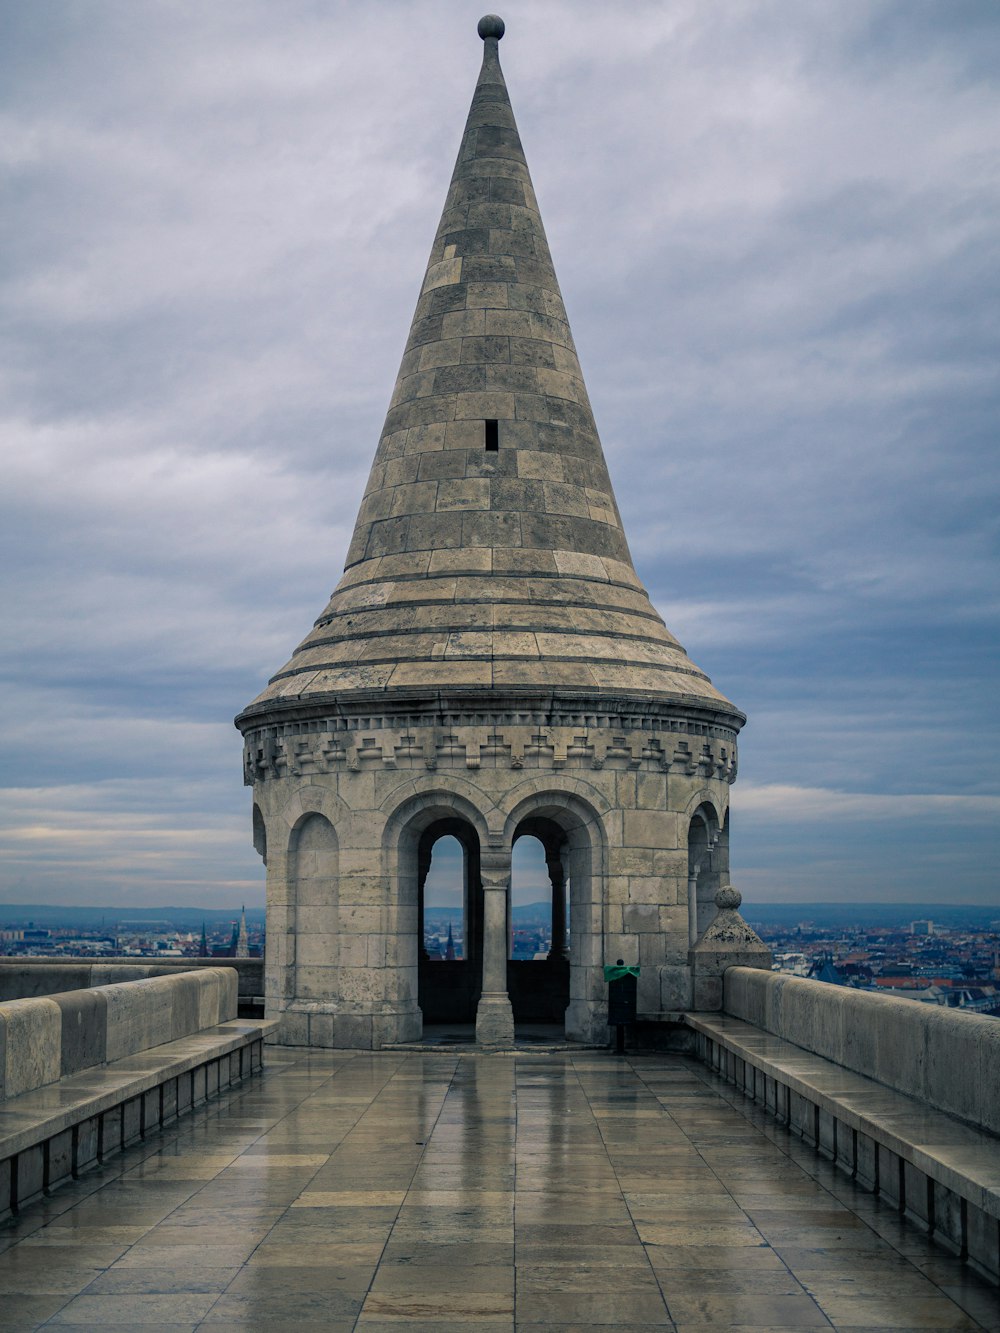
[447, 1191]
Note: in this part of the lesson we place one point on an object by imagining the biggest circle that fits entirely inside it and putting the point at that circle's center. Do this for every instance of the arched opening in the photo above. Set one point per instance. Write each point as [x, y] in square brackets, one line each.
[538, 969]
[530, 901]
[259, 834]
[449, 906]
[708, 867]
[443, 926]
[315, 898]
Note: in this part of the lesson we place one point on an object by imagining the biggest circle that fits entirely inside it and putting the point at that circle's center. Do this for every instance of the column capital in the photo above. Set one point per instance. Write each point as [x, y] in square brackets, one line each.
[494, 869]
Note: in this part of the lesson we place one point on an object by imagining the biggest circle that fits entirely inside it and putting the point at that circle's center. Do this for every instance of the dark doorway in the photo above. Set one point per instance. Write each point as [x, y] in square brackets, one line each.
[538, 966]
[450, 917]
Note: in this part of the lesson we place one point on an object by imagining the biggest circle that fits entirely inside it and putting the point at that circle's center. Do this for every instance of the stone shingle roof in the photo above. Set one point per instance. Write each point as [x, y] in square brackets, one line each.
[489, 551]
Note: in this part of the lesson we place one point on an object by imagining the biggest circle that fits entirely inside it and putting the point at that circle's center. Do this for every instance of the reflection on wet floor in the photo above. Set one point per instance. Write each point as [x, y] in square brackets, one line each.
[446, 1191]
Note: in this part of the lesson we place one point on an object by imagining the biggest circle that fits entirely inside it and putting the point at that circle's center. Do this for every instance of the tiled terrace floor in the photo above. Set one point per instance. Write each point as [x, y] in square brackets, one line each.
[447, 1192]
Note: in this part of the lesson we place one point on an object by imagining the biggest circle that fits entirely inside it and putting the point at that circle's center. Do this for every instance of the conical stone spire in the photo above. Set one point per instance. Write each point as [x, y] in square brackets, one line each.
[489, 668]
[488, 552]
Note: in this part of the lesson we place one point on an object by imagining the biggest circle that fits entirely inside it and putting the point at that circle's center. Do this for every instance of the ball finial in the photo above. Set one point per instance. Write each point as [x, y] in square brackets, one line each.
[491, 25]
[728, 899]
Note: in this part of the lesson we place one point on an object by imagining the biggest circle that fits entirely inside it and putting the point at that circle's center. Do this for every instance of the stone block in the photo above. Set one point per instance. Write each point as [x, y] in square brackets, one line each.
[185, 1093]
[947, 1218]
[139, 1015]
[226, 1001]
[918, 1194]
[860, 1033]
[87, 1139]
[746, 994]
[983, 1237]
[84, 1030]
[675, 988]
[827, 1133]
[6, 1184]
[891, 1177]
[953, 1071]
[131, 1121]
[648, 990]
[707, 992]
[625, 947]
[32, 1044]
[988, 1079]
[199, 1085]
[189, 994]
[846, 1148]
[28, 1170]
[168, 1102]
[150, 1116]
[320, 1031]
[352, 1030]
[900, 1046]
[58, 1158]
[641, 918]
[111, 1132]
[24, 981]
[646, 890]
[812, 1017]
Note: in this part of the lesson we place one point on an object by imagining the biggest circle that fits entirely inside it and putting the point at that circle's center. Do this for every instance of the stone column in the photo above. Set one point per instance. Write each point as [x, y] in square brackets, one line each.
[423, 870]
[494, 1016]
[692, 908]
[557, 877]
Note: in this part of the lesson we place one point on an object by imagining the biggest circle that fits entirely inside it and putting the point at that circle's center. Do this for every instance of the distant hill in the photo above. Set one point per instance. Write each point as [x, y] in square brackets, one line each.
[525, 912]
[890, 915]
[15, 916]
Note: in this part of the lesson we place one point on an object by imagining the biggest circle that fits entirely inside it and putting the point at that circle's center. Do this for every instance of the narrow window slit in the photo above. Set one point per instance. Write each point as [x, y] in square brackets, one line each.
[492, 437]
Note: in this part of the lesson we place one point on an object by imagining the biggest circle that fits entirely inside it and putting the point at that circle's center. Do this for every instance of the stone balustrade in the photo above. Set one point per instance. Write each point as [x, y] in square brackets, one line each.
[903, 1096]
[85, 1072]
[945, 1058]
[26, 975]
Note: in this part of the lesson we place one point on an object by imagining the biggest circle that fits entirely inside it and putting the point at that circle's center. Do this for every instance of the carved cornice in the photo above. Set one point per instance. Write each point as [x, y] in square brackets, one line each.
[304, 749]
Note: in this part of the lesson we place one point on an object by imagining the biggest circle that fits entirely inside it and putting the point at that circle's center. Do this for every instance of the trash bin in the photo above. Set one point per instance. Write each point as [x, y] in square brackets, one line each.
[623, 988]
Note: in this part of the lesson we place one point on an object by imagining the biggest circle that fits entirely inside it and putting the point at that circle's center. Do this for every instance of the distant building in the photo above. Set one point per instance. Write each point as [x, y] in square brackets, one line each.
[242, 942]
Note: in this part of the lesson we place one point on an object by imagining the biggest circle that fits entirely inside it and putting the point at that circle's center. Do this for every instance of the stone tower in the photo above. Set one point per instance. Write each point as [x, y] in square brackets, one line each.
[488, 668]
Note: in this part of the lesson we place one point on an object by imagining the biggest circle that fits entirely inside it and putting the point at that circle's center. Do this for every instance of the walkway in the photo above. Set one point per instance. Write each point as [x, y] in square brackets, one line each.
[449, 1192]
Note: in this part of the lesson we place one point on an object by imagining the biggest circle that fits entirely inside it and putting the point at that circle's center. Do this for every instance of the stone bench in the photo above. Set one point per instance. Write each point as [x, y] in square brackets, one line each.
[937, 1169]
[85, 1073]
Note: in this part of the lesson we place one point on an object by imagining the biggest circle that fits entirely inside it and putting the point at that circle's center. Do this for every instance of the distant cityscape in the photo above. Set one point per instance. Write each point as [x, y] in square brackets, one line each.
[944, 955]
[163, 934]
[955, 965]
[531, 932]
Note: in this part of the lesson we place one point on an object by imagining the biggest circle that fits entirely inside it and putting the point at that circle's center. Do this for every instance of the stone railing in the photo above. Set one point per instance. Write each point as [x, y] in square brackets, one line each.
[48, 1037]
[947, 1059]
[24, 976]
[85, 1072]
[903, 1096]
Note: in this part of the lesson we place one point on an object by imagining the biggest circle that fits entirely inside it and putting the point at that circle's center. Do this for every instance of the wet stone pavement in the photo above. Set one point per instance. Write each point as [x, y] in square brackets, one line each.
[448, 1192]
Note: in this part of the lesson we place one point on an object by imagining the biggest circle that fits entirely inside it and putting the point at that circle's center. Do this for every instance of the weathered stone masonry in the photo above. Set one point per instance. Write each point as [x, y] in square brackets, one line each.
[489, 667]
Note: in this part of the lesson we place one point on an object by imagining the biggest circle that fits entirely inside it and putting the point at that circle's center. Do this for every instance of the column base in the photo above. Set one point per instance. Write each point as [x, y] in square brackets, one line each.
[495, 1020]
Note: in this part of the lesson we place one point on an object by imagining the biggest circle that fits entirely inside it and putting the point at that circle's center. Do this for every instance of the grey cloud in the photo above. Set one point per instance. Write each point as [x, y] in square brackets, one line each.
[775, 232]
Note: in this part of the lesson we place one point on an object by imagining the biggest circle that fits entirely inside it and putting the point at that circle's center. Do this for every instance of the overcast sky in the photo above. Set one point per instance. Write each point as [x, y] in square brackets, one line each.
[776, 231]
